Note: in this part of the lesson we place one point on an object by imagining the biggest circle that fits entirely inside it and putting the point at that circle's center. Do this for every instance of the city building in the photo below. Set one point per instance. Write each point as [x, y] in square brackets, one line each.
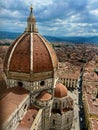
[96, 65]
[90, 102]
[69, 75]
[90, 95]
[90, 77]
[33, 99]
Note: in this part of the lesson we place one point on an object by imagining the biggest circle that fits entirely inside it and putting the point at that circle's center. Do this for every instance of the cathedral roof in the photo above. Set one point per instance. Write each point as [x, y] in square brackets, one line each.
[60, 91]
[12, 98]
[30, 53]
[44, 96]
[28, 119]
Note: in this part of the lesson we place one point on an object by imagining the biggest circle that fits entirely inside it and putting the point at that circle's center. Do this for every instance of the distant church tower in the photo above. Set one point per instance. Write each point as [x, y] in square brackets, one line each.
[31, 63]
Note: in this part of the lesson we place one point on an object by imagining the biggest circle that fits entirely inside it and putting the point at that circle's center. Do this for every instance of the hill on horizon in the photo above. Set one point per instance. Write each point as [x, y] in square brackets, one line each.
[72, 39]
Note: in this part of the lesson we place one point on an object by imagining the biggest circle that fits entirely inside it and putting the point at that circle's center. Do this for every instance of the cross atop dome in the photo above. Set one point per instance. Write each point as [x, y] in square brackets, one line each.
[31, 22]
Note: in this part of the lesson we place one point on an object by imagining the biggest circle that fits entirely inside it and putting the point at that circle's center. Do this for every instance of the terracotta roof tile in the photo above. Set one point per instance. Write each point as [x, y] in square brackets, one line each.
[20, 61]
[41, 60]
[8, 53]
[27, 121]
[31, 54]
[44, 96]
[10, 100]
[60, 91]
[92, 105]
[94, 124]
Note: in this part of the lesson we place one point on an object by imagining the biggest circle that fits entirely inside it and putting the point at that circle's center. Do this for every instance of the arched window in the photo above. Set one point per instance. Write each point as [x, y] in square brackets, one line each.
[56, 104]
[67, 120]
[25, 106]
[53, 122]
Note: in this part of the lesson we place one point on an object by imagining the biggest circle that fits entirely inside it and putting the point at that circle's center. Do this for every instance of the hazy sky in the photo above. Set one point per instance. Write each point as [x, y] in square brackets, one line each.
[54, 17]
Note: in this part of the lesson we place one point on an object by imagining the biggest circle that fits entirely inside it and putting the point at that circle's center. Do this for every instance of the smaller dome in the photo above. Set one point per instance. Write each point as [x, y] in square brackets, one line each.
[60, 91]
[44, 96]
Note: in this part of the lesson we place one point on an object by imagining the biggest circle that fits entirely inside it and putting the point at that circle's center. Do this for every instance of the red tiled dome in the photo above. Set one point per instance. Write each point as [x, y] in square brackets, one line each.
[44, 96]
[30, 53]
[60, 91]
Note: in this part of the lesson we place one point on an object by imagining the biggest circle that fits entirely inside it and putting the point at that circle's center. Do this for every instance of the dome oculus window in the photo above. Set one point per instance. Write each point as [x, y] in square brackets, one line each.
[42, 83]
[20, 84]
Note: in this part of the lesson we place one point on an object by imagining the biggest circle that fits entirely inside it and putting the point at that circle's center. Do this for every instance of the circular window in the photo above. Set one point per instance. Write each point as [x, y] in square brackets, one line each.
[20, 84]
[42, 83]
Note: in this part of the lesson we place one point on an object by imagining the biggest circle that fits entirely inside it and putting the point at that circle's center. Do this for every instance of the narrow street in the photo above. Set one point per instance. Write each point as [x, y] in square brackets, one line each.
[79, 116]
[81, 111]
[74, 95]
